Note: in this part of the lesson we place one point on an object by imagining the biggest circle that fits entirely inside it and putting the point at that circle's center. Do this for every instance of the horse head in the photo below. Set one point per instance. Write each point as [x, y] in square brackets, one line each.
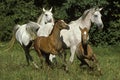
[84, 35]
[96, 17]
[48, 16]
[62, 24]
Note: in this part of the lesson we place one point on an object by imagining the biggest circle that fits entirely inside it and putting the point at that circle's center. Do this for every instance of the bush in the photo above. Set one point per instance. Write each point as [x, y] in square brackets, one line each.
[21, 11]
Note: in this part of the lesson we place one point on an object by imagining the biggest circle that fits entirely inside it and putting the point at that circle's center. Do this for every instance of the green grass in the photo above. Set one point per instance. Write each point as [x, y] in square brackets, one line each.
[13, 66]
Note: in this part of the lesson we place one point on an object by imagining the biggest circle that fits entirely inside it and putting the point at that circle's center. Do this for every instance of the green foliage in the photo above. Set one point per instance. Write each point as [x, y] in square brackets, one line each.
[14, 12]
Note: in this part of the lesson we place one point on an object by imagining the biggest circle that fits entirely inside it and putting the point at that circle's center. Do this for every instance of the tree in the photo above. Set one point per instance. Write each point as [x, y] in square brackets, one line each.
[14, 12]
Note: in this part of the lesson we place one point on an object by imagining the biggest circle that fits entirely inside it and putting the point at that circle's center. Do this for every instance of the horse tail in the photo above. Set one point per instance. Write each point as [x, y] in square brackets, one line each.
[12, 41]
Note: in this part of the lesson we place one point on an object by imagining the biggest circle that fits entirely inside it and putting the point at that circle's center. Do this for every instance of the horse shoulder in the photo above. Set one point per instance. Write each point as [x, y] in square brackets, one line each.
[51, 47]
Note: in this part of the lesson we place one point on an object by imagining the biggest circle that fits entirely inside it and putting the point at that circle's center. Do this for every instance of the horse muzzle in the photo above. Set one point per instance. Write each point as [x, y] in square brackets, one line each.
[67, 27]
[100, 26]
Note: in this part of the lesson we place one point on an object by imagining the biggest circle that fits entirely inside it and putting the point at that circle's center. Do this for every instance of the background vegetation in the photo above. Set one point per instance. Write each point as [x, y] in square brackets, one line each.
[12, 63]
[21, 11]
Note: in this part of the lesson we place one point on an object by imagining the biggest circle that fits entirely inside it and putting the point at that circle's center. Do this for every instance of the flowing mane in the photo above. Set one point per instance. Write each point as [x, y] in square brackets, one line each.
[85, 14]
[40, 18]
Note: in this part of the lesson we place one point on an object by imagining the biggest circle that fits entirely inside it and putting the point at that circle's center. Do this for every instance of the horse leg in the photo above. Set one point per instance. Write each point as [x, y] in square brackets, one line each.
[65, 55]
[40, 57]
[27, 57]
[27, 54]
[51, 57]
[96, 63]
[64, 60]
[84, 62]
[48, 62]
[72, 50]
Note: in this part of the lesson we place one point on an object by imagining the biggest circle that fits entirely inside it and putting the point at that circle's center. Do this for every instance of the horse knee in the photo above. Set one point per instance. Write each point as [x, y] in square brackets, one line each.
[71, 59]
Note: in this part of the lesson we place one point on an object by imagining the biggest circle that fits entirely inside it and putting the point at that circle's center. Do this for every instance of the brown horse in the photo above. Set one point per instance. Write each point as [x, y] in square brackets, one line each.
[85, 53]
[52, 44]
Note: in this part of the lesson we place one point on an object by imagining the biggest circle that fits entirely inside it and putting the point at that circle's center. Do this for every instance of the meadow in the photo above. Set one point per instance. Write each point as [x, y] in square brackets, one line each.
[13, 66]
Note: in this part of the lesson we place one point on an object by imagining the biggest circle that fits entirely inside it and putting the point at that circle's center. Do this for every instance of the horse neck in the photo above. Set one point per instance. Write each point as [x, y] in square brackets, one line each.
[41, 20]
[86, 22]
[52, 21]
[84, 47]
[55, 32]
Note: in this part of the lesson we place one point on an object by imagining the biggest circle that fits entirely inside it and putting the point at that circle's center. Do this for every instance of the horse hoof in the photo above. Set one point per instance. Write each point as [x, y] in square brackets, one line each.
[99, 70]
[36, 67]
[67, 71]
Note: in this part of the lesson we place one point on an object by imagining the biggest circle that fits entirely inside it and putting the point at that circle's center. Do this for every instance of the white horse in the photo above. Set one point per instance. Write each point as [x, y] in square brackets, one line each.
[47, 22]
[72, 37]
[26, 33]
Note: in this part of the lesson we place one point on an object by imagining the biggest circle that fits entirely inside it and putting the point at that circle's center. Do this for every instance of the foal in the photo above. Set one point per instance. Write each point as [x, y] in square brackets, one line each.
[85, 52]
[51, 44]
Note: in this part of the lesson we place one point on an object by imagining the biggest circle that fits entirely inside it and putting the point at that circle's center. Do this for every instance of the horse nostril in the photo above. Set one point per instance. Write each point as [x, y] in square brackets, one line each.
[45, 14]
[100, 26]
[68, 27]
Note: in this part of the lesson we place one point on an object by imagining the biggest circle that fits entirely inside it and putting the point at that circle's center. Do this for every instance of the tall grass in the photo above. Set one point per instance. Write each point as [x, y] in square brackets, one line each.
[13, 66]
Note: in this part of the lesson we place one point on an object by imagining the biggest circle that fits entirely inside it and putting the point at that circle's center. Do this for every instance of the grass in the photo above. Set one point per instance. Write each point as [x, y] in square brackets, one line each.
[13, 66]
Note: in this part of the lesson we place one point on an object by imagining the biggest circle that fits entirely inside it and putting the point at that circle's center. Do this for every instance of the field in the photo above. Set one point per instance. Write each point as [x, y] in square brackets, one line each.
[13, 66]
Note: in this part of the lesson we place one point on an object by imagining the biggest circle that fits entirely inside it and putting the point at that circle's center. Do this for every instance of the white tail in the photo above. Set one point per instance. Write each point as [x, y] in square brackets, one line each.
[12, 41]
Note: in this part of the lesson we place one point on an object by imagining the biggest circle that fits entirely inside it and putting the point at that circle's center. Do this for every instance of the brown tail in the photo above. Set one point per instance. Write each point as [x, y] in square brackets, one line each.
[12, 41]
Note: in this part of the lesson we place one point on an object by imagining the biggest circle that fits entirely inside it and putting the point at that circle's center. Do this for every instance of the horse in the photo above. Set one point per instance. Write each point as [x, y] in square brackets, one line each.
[51, 44]
[26, 33]
[85, 53]
[72, 37]
[47, 21]
[84, 50]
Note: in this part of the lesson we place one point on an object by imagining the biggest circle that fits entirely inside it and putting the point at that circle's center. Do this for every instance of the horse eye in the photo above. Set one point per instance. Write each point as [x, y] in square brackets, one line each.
[45, 14]
[95, 15]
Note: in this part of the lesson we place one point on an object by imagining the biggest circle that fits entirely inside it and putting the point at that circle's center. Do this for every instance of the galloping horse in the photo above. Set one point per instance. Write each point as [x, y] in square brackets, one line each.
[72, 37]
[25, 34]
[51, 44]
[85, 53]
[84, 50]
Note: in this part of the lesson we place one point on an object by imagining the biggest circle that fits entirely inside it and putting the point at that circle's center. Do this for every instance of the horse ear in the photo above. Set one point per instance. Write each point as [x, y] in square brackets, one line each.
[100, 9]
[44, 10]
[50, 9]
[80, 28]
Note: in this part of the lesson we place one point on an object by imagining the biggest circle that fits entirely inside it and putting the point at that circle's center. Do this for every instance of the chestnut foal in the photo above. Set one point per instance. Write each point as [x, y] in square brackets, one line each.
[85, 53]
[52, 44]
